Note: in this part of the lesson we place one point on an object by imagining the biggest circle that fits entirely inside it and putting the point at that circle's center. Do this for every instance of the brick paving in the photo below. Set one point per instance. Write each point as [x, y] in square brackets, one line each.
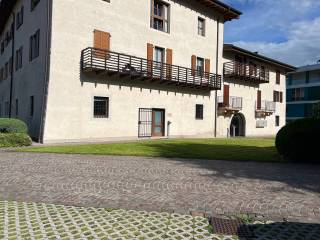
[219, 187]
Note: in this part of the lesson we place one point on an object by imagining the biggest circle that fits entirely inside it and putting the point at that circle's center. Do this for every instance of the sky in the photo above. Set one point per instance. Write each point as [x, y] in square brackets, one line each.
[286, 30]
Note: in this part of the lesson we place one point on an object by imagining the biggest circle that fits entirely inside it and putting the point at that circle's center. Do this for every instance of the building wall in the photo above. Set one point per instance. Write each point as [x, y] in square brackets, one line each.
[29, 80]
[70, 94]
[248, 92]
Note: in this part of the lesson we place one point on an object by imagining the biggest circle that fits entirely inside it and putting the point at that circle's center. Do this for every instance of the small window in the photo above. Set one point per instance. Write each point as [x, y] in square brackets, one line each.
[17, 107]
[199, 111]
[276, 96]
[31, 106]
[201, 27]
[200, 66]
[101, 107]
[20, 18]
[277, 121]
[298, 94]
[34, 3]
[1, 74]
[10, 65]
[160, 16]
[34, 46]
[19, 53]
[278, 77]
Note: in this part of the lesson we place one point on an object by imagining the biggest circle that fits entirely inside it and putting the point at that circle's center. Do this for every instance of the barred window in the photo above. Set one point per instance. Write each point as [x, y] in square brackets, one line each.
[199, 111]
[101, 107]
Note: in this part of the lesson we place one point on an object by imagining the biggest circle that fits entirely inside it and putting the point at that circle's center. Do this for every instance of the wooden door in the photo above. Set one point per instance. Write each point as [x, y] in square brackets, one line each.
[158, 121]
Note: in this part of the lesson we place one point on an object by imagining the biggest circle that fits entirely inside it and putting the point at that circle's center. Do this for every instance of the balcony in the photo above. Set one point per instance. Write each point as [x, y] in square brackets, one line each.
[112, 63]
[247, 72]
[231, 105]
[265, 108]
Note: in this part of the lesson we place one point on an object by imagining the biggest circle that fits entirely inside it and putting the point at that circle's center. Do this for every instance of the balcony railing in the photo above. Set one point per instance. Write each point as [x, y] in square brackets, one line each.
[235, 103]
[266, 106]
[249, 72]
[103, 61]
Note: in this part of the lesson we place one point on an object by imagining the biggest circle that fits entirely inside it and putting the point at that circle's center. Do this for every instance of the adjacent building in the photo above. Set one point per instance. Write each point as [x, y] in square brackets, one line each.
[105, 69]
[303, 91]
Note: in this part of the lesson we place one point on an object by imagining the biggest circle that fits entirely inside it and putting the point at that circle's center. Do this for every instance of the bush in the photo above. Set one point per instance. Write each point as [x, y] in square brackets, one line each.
[14, 140]
[11, 125]
[297, 141]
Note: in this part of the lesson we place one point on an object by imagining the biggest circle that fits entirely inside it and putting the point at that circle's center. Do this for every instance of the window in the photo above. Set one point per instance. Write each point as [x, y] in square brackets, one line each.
[31, 105]
[278, 77]
[201, 27]
[297, 94]
[160, 16]
[17, 107]
[34, 46]
[1, 74]
[6, 70]
[20, 18]
[101, 107]
[199, 111]
[159, 57]
[19, 58]
[277, 121]
[34, 3]
[2, 47]
[277, 96]
[200, 66]
[10, 65]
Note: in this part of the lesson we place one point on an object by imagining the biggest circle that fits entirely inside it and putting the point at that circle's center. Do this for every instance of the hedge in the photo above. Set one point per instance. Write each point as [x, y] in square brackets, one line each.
[11, 125]
[298, 141]
[14, 140]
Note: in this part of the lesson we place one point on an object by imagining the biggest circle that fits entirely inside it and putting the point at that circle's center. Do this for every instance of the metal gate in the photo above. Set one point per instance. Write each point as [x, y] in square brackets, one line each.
[145, 122]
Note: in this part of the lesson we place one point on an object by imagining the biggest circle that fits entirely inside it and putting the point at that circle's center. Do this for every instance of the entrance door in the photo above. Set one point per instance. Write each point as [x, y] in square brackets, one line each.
[157, 122]
[237, 126]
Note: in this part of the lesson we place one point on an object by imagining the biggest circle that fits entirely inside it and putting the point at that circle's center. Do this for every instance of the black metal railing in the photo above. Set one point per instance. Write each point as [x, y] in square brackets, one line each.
[246, 71]
[98, 60]
[266, 106]
[234, 102]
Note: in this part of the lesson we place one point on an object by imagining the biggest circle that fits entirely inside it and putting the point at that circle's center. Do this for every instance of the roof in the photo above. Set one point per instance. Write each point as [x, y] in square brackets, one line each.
[234, 49]
[308, 68]
[227, 11]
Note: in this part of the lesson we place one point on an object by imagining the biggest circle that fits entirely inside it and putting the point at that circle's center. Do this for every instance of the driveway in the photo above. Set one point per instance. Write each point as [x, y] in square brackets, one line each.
[219, 187]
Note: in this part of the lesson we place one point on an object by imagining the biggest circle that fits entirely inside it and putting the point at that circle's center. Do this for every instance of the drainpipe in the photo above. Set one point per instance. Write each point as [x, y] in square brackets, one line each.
[47, 71]
[11, 63]
[216, 91]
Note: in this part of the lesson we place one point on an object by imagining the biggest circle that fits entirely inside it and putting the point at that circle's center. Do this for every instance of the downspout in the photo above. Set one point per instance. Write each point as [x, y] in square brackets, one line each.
[216, 91]
[47, 71]
[11, 63]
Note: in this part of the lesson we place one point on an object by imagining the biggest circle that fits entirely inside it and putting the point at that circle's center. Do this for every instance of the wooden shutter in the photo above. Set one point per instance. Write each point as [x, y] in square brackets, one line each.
[259, 100]
[101, 41]
[226, 95]
[150, 57]
[281, 97]
[193, 64]
[274, 96]
[169, 63]
[207, 68]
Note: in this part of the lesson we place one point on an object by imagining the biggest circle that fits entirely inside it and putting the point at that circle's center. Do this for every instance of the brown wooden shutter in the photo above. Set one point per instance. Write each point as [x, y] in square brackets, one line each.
[281, 97]
[101, 41]
[207, 67]
[150, 57]
[226, 95]
[193, 64]
[169, 63]
[259, 100]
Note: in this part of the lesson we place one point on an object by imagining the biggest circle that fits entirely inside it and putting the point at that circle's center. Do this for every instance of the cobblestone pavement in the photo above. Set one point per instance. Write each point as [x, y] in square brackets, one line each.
[218, 187]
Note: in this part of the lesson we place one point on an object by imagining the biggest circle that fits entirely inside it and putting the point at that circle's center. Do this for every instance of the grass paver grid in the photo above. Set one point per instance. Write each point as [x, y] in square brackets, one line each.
[48, 221]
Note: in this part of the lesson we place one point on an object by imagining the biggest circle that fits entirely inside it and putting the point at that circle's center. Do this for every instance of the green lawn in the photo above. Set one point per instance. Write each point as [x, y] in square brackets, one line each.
[242, 149]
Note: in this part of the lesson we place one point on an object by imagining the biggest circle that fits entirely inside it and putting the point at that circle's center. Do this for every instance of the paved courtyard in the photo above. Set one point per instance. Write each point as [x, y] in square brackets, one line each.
[218, 187]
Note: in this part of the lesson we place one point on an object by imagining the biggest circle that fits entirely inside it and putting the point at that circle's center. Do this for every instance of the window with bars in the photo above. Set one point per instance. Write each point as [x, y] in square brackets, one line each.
[160, 16]
[201, 26]
[101, 107]
[199, 111]
[34, 45]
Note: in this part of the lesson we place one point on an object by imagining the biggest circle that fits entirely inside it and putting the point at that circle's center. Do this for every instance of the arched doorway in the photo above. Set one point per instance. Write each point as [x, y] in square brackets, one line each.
[238, 126]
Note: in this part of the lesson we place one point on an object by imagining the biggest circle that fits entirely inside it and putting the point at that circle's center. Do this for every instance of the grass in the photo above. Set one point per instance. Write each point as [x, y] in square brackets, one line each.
[241, 149]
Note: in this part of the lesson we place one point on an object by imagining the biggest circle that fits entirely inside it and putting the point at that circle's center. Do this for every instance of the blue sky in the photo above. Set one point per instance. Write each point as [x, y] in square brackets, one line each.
[287, 30]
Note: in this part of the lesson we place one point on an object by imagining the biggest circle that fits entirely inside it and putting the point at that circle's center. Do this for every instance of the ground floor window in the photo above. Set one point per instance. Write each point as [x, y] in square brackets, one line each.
[101, 107]
[199, 111]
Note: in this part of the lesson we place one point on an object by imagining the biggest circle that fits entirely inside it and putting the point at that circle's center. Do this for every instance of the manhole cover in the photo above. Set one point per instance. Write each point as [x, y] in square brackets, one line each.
[230, 227]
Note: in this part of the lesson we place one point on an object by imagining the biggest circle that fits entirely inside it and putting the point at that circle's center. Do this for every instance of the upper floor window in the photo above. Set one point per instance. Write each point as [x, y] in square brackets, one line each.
[2, 47]
[34, 46]
[200, 65]
[19, 54]
[1, 74]
[278, 77]
[20, 17]
[277, 96]
[201, 26]
[34, 3]
[277, 122]
[160, 15]
[298, 94]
